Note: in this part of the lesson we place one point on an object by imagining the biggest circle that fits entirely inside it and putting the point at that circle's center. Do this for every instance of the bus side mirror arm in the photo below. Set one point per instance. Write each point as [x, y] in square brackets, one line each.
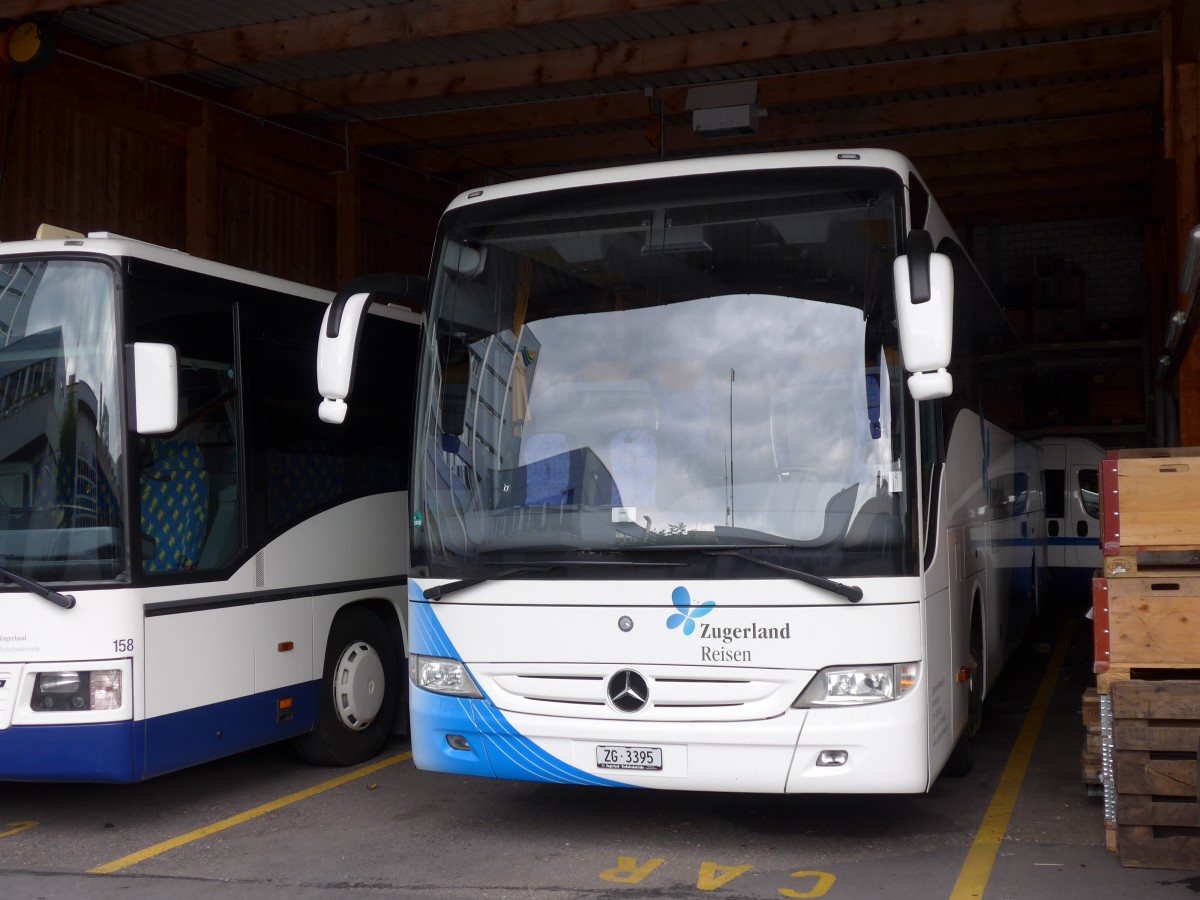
[341, 327]
[924, 284]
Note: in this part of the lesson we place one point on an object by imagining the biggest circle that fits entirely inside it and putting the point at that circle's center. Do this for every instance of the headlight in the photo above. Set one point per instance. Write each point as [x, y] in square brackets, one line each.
[852, 685]
[70, 691]
[442, 676]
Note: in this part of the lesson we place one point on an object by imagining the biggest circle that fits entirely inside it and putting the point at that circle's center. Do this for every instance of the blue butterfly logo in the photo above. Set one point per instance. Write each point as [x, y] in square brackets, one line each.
[688, 612]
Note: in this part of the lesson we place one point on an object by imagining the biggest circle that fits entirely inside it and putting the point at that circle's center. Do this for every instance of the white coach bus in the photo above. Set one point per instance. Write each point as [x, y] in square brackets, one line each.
[712, 486]
[189, 560]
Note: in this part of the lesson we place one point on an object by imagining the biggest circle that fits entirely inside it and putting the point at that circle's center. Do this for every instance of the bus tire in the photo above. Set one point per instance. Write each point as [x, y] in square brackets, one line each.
[358, 691]
[961, 758]
[975, 688]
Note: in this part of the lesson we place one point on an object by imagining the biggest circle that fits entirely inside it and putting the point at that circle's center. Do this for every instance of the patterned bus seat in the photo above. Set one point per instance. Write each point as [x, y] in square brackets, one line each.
[175, 506]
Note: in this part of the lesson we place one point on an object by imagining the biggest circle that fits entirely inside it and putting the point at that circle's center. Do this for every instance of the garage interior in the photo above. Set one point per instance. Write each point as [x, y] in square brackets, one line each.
[318, 140]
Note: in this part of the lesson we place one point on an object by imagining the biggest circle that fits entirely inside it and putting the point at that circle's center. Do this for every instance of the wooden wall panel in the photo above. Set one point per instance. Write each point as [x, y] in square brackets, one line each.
[64, 165]
[265, 228]
[121, 166]
[386, 249]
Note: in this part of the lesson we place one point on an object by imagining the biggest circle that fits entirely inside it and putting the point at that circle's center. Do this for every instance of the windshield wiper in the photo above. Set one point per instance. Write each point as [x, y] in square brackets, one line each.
[66, 601]
[850, 592]
[436, 593]
[439, 591]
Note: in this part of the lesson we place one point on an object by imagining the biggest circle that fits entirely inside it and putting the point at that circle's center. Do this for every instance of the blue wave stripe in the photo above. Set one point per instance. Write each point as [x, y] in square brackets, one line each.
[524, 756]
[512, 755]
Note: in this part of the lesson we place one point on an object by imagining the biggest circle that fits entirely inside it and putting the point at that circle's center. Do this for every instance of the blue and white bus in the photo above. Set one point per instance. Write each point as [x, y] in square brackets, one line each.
[190, 563]
[708, 492]
[1071, 482]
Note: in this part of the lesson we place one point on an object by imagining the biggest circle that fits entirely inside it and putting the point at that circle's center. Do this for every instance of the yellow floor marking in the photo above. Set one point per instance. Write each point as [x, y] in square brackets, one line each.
[714, 875]
[973, 877]
[141, 855]
[629, 872]
[16, 828]
[824, 881]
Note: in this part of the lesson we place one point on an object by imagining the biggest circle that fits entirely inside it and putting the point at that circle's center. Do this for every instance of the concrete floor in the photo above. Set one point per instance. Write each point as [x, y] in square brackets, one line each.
[263, 825]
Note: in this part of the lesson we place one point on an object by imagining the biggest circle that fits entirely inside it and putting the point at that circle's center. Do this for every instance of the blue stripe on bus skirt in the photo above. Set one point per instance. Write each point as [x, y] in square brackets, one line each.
[192, 736]
[101, 752]
[125, 752]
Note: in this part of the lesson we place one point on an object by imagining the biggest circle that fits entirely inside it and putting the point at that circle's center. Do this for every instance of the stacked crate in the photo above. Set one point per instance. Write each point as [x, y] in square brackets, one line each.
[1147, 656]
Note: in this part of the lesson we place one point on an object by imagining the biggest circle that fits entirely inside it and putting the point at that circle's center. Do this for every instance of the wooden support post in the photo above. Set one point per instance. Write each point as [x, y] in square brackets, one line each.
[201, 187]
[1187, 216]
[1184, 136]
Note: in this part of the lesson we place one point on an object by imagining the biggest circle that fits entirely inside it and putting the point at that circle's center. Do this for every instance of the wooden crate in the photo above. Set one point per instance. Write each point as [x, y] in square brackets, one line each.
[1145, 621]
[1154, 501]
[1156, 750]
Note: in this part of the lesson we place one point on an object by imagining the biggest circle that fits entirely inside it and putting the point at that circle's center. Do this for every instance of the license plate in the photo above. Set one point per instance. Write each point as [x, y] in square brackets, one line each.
[646, 759]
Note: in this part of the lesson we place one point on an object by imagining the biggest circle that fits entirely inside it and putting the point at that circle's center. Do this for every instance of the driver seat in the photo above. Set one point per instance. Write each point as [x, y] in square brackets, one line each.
[174, 506]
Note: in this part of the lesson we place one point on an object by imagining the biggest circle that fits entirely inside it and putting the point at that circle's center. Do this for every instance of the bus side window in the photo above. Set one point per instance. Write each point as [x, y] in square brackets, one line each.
[189, 488]
[1089, 491]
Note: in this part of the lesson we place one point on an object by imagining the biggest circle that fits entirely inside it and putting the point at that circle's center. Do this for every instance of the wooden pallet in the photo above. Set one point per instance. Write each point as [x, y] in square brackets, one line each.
[1146, 613]
[1091, 761]
[1156, 755]
[1129, 562]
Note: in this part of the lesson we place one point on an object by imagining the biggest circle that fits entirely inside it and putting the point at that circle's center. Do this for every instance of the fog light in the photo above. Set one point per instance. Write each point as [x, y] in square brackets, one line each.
[832, 758]
[458, 742]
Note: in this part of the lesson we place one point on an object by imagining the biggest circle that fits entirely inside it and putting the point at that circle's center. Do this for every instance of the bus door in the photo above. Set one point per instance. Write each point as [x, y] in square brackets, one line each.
[1071, 479]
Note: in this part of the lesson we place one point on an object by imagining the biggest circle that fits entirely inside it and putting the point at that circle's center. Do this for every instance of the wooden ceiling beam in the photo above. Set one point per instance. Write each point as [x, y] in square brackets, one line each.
[1011, 161]
[1000, 140]
[1072, 58]
[862, 124]
[940, 19]
[357, 30]
[993, 143]
[19, 9]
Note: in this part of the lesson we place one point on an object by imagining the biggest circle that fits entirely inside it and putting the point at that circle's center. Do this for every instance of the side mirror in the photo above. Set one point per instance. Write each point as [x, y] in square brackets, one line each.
[340, 328]
[155, 388]
[924, 283]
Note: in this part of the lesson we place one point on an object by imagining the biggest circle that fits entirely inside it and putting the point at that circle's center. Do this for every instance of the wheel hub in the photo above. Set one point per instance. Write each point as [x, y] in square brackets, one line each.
[358, 686]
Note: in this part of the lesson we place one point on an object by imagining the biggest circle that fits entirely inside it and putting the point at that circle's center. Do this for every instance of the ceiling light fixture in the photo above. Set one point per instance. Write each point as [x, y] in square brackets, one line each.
[725, 110]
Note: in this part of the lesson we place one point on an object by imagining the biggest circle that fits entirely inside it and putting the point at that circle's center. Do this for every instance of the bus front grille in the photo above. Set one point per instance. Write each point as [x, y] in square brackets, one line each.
[584, 691]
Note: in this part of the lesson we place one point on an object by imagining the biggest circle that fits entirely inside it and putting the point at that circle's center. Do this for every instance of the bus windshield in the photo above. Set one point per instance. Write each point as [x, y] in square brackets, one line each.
[688, 363]
[61, 429]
